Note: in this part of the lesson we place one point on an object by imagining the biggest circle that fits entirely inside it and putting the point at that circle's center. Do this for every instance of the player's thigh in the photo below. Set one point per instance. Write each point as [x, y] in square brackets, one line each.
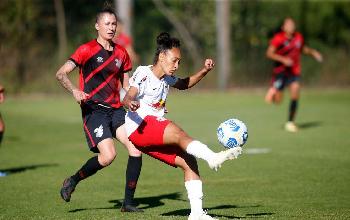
[121, 135]
[174, 135]
[294, 88]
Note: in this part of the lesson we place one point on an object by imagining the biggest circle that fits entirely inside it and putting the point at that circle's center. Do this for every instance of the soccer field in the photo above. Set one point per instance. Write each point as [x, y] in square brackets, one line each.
[280, 175]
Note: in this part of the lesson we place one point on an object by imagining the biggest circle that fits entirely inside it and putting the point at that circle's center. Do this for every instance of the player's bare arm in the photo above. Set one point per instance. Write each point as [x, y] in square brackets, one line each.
[62, 77]
[312, 52]
[189, 82]
[125, 81]
[129, 99]
[271, 54]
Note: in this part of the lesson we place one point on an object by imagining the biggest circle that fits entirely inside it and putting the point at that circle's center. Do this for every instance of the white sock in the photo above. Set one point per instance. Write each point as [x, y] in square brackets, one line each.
[200, 150]
[195, 195]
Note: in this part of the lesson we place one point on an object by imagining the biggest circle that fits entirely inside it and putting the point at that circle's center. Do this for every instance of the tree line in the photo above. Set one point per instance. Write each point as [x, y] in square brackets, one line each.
[38, 35]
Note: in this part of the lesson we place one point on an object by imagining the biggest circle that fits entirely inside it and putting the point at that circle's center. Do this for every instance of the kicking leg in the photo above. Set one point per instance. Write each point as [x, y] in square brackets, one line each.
[174, 135]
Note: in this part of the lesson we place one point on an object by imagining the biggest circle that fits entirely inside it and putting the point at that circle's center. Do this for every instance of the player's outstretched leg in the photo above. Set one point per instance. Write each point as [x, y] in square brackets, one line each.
[94, 164]
[174, 135]
[88, 169]
[214, 160]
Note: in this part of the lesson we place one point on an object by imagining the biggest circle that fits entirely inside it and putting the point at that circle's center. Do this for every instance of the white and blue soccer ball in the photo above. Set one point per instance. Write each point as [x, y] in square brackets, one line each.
[232, 133]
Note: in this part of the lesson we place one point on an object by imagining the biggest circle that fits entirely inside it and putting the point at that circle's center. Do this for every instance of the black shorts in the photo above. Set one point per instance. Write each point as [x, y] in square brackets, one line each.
[281, 80]
[100, 122]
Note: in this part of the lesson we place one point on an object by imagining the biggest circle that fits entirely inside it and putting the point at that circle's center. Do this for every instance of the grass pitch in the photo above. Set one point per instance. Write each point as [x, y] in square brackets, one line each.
[280, 175]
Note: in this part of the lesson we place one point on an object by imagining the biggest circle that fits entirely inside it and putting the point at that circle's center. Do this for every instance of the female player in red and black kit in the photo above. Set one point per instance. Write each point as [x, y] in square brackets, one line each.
[285, 49]
[101, 65]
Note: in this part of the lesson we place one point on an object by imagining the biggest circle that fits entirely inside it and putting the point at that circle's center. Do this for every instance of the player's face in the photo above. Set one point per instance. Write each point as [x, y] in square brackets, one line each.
[170, 60]
[106, 26]
[288, 26]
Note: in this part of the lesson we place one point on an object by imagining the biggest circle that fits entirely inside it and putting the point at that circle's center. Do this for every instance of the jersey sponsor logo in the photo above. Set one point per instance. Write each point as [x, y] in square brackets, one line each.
[160, 104]
[99, 59]
[99, 131]
[118, 63]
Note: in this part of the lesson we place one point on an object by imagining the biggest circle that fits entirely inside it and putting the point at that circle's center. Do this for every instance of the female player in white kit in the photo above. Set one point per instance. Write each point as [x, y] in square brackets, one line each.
[160, 138]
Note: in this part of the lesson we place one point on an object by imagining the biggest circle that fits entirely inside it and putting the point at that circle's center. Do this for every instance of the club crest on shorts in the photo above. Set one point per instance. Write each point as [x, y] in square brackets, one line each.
[99, 131]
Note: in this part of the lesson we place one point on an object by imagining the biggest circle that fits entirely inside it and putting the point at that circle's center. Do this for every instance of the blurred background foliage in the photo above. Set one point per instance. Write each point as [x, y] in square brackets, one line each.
[30, 43]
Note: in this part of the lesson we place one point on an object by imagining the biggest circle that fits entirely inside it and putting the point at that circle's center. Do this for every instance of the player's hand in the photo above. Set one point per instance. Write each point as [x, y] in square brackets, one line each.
[133, 105]
[209, 64]
[80, 96]
[287, 61]
[318, 56]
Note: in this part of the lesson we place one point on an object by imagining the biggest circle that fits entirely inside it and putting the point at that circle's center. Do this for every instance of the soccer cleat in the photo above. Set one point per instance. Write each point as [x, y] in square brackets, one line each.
[2, 174]
[67, 189]
[222, 156]
[203, 216]
[291, 127]
[130, 208]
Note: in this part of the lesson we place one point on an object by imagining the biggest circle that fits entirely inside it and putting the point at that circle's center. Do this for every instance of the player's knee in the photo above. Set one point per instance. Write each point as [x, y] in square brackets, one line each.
[183, 139]
[107, 158]
[133, 151]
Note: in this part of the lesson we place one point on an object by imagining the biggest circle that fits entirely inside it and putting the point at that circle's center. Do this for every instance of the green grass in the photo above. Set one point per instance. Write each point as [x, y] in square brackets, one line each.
[304, 176]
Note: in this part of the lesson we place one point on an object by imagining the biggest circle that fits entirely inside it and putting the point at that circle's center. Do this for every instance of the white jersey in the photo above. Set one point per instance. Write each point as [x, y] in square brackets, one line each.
[152, 94]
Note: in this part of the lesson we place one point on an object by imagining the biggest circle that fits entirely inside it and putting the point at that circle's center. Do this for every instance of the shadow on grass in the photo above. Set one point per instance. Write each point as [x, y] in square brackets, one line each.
[14, 170]
[186, 212]
[311, 124]
[145, 202]
[156, 201]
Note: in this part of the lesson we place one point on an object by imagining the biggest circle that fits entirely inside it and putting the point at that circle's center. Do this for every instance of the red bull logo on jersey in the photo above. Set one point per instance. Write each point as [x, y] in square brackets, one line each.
[159, 104]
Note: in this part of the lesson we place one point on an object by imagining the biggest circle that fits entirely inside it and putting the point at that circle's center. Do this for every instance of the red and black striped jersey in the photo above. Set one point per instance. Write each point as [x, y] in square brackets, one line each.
[290, 47]
[100, 71]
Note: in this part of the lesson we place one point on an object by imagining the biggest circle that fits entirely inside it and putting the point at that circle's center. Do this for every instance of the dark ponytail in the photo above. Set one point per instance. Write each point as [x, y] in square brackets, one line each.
[165, 42]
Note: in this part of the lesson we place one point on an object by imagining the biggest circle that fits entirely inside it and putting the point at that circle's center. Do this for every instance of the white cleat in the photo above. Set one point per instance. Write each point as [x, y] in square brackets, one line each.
[291, 127]
[203, 216]
[222, 156]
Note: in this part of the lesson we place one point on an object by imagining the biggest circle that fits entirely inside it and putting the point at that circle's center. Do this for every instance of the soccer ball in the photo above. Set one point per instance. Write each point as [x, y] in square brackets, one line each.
[232, 133]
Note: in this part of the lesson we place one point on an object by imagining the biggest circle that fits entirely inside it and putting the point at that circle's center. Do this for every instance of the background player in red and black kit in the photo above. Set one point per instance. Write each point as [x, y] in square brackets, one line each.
[285, 49]
[102, 64]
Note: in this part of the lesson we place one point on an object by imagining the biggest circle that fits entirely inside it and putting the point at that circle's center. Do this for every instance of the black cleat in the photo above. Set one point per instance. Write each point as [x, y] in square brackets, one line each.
[130, 208]
[67, 189]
